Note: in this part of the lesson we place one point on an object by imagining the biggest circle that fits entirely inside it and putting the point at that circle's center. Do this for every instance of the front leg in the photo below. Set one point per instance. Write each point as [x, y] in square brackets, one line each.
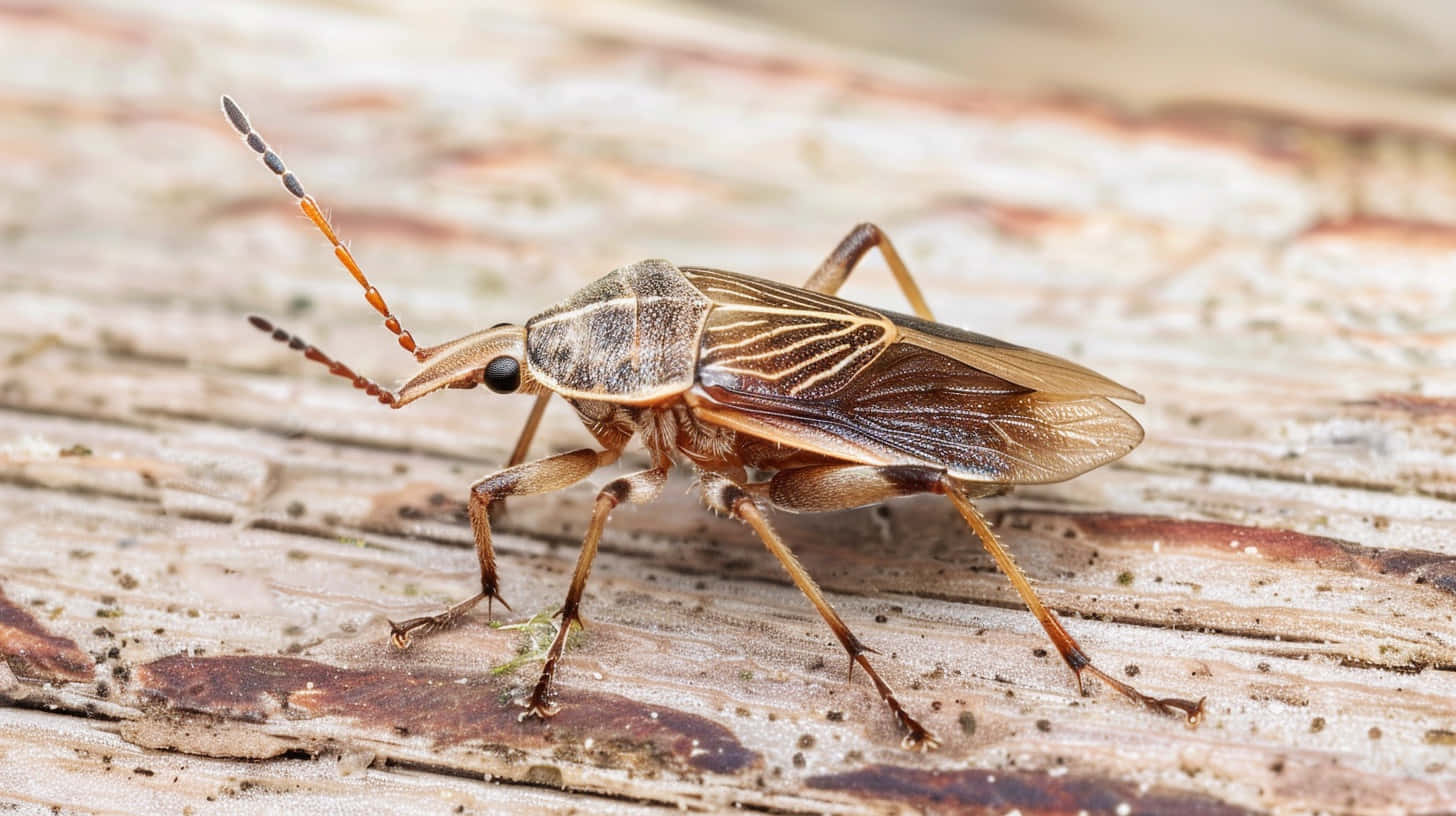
[540, 476]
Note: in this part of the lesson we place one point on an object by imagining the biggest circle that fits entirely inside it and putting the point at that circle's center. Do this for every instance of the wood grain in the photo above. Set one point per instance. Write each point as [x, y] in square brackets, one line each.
[204, 535]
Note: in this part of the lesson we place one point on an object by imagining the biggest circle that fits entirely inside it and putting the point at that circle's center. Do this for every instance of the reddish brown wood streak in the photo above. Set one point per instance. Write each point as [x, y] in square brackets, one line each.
[251, 687]
[32, 651]
[1281, 546]
[980, 790]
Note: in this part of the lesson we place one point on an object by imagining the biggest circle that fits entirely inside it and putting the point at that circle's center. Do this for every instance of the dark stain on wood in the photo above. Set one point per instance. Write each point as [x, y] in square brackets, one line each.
[33, 652]
[256, 688]
[990, 791]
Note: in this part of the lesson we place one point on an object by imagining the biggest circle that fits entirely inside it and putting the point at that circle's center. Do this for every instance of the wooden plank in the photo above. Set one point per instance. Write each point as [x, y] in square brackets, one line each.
[91, 768]
[205, 535]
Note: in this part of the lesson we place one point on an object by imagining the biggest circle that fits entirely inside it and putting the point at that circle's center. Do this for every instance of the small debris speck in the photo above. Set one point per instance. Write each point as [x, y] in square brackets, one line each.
[967, 722]
[548, 775]
[1440, 736]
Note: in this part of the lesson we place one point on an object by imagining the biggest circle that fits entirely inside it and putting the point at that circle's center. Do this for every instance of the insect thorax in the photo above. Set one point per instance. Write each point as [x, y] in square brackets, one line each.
[631, 336]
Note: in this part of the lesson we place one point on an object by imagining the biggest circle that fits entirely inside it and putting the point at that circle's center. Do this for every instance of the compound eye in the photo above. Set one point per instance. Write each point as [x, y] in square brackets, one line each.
[503, 374]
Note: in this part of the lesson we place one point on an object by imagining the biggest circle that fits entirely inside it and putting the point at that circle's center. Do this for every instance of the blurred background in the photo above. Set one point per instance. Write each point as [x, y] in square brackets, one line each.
[1348, 60]
[1246, 211]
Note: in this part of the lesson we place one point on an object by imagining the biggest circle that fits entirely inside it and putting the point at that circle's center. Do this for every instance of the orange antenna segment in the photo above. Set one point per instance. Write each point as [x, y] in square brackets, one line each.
[335, 367]
[311, 209]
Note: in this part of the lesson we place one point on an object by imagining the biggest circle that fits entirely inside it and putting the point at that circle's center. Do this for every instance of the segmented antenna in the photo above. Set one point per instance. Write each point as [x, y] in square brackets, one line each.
[335, 367]
[311, 209]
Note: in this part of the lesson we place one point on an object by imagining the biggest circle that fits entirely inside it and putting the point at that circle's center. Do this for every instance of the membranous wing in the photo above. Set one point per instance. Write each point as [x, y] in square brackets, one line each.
[900, 402]
[1026, 367]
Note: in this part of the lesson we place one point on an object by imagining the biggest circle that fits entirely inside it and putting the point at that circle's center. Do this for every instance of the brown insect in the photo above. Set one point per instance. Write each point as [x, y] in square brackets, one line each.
[839, 404]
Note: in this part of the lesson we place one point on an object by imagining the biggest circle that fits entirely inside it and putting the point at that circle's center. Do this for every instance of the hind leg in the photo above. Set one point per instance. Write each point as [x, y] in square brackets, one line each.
[835, 487]
[835, 269]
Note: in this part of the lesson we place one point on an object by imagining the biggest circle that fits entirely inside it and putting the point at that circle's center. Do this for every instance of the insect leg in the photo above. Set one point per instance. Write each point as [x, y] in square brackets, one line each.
[528, 432]
[832, 273]
[1066, 645]
[836, 487]
[637, 488]
[727, 497]
[540, 476]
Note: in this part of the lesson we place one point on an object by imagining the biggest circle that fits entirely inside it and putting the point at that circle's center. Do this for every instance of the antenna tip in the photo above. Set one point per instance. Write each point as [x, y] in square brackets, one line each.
[235, 115]
[259, 323]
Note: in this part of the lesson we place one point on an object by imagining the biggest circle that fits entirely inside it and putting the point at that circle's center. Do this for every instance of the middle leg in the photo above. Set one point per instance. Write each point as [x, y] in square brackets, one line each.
[636, 488]
[727, 497]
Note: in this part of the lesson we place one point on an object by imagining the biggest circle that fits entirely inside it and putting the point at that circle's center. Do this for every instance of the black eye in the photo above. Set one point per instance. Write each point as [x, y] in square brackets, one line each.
[503, 375]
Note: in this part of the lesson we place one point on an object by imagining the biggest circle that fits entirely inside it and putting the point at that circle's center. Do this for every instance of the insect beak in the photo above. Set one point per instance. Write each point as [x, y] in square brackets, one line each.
[459, 362]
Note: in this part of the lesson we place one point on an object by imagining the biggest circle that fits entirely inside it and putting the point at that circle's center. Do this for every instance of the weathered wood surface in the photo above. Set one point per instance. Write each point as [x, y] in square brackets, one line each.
[203, 535]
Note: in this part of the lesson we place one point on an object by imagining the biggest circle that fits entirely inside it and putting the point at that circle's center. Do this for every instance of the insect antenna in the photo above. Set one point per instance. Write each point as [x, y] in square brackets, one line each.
[335, 367]
[311, 209]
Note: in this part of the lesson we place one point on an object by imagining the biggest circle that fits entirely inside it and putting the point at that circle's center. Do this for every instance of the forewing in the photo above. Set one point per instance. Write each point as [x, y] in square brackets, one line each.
[916, 406]
[782, 341]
